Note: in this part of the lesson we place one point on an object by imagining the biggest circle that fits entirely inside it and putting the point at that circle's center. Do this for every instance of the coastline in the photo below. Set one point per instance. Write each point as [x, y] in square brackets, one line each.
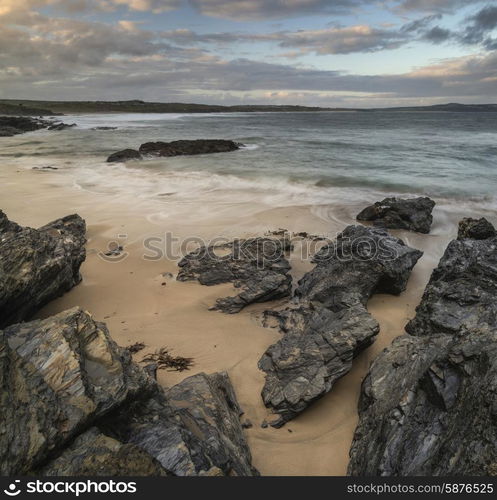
[129, 296]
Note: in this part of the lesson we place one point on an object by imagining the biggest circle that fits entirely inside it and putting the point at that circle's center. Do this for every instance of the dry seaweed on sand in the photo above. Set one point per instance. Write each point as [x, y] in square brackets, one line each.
[165, 360]
[136, 347]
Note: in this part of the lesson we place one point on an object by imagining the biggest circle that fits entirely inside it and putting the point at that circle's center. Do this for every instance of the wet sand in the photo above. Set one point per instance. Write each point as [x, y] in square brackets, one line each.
[140, 303]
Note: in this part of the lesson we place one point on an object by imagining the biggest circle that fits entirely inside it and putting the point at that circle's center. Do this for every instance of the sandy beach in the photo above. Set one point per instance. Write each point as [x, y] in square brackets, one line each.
[140, 302]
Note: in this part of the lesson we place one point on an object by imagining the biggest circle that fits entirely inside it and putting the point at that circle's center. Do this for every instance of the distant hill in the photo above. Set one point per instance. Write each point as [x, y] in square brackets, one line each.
[46, 108]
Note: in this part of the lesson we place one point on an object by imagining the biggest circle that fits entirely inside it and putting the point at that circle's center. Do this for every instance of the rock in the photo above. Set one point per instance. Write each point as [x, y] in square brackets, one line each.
[104, 128]
[428, 408]
[185, 147]
[95, 454]
[428, 404]
[396, 213]
[328, 323]
[38, 265]
[476, 229]
[460, 297]
[257, 266]
[247, 424]
[124, 155]
[151, 370]
[57, 376]
[191, 429]
[14, 125]
[61, 126]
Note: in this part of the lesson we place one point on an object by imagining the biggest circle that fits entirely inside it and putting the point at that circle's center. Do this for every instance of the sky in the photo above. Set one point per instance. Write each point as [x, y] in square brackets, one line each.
[345, 53]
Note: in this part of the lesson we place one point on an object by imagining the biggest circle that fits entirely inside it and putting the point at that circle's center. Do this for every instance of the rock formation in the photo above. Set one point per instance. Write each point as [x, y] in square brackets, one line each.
[176, 148]
[38, 265]
[328, 323]
[428, 403]
[396, 213]
[257, 266]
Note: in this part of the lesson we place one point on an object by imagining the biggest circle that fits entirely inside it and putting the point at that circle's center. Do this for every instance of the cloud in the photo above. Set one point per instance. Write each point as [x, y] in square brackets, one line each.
[437, 6]
[479, 28]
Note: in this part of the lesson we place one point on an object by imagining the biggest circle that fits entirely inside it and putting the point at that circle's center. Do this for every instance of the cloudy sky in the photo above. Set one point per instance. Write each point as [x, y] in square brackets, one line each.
[311, 52]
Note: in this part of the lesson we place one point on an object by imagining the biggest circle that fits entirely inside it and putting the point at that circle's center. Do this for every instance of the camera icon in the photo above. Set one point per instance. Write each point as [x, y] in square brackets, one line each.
[13, 489]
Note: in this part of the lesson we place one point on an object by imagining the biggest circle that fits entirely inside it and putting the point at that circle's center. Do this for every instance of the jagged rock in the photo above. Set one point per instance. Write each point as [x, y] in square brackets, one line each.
[192, 429]
[257, 266]
[95, 454]
[460, 297]
[476, 229]
[396, 213]
[188, 147]
[57, 376]
[38, 265]
[124, 155]
[328, 324]
[61, 126]
[428, 407]
[428, 404]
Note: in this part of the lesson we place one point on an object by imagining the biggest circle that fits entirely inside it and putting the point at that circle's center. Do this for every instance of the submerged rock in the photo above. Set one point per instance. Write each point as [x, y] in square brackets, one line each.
[396, 213]
[57, 376]
[61, 126]
[175, 148]
[427, 406]
[328, 324]
[124, 155]
[257, 266]
[38, 265]
[95, 454]
[192, 429]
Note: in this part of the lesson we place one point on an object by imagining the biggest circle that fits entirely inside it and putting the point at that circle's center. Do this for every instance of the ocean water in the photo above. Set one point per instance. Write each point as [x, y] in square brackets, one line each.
[288, 159]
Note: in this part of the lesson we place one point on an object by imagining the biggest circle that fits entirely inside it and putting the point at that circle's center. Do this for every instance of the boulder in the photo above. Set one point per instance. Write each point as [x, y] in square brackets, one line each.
[460, 297]
[328, 323]
[428, 403]
[95, 454]
[256, 266]
[124, 155]
[188, 147]
[475, 229]
[193, 429]
[396, 213]
[57, 376]
[428, 408]
[38, 265]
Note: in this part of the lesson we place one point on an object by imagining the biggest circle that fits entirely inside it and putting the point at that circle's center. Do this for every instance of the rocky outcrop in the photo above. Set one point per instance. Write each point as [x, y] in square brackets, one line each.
[396, 213]
[58, 126]
[14, 125]
[427, 405]
[57, 376]
[256, 266]
[38, 265]
[95, 454]
[61, 376]
[124, 155]
[192, 429]
[328, 323]
[176, 148]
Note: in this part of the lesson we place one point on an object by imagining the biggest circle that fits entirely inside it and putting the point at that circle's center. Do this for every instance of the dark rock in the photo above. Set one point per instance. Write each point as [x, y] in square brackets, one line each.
[257, 266]
[475, 229]
[14, 125]
[191, 429]
[151, 370]
[428, 403]
[328, 323]
[95, 454]
[56, 377]
[428, 408]
[247, 424]
[124, 155]
[397, 213]
[61, 126]
[104, 128]
[460, 297]
[185, 147]
[38, 265]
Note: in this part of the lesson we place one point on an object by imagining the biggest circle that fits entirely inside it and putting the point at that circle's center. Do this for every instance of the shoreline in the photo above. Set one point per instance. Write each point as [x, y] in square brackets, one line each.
[129, 296]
